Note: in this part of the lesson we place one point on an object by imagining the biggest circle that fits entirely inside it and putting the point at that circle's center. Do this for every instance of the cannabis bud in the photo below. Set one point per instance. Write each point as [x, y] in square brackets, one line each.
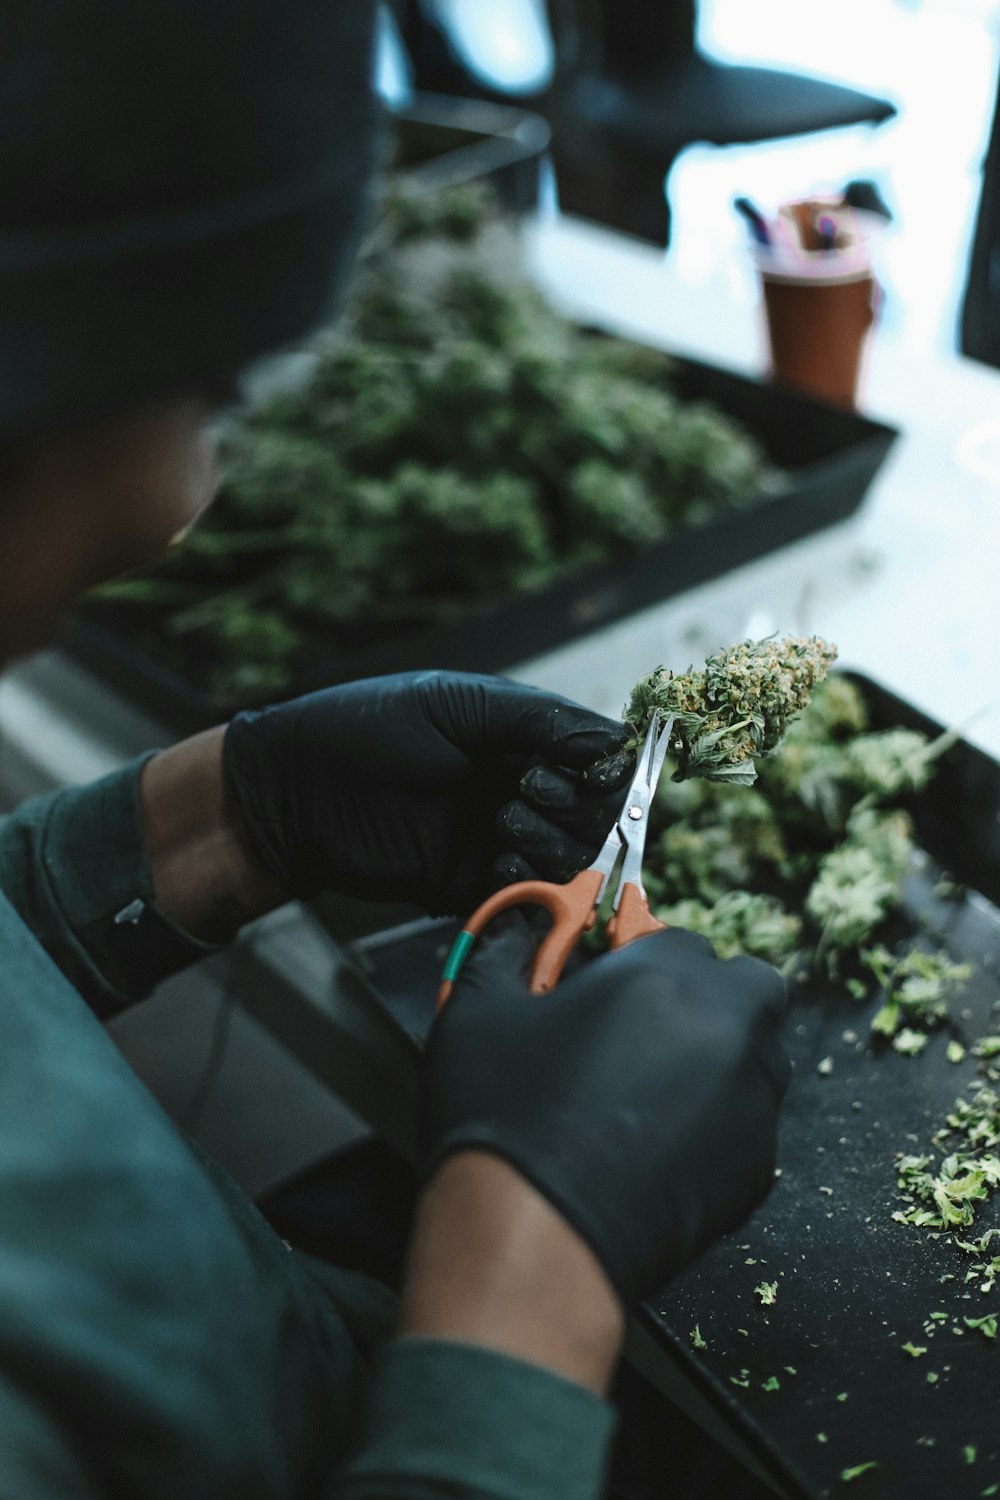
[736, 708]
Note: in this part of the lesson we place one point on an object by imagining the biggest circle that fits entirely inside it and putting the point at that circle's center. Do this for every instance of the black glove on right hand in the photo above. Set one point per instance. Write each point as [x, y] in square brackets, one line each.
[640, 1097]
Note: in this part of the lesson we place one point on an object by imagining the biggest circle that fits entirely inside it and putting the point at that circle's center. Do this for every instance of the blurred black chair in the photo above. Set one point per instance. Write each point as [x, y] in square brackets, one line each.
[979, 318]
[501, 50]
[629, 91]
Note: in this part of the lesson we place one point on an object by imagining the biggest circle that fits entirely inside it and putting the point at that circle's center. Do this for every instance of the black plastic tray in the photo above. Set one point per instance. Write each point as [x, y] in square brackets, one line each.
[853, 1286]
[440, 142]
[831, 455]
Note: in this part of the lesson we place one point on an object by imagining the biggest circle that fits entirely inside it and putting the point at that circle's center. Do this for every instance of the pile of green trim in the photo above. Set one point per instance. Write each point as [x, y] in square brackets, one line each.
[455, 441]
[805, 868]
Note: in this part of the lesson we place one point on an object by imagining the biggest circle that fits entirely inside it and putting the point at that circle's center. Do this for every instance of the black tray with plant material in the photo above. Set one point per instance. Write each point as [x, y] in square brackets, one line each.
[825, 458]
[847, 1334]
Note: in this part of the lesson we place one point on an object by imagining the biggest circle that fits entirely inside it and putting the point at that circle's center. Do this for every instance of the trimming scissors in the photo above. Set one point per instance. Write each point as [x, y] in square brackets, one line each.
[573, 907]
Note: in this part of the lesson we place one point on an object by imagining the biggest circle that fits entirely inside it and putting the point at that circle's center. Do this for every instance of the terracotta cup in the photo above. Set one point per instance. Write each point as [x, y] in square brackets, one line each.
[818, 328]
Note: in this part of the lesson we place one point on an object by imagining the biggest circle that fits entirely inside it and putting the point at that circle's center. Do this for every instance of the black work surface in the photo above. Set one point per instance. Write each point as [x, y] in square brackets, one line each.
[853, 1285]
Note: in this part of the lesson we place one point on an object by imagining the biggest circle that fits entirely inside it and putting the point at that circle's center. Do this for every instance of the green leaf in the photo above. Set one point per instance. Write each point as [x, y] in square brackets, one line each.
[848, 1474]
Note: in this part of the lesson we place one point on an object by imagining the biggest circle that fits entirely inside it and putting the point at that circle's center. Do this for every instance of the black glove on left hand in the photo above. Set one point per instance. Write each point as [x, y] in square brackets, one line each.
[430, 787]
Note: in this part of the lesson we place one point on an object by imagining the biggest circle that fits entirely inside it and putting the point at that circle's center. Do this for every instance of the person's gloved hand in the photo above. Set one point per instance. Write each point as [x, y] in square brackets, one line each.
[640, 1097]
[430, 787]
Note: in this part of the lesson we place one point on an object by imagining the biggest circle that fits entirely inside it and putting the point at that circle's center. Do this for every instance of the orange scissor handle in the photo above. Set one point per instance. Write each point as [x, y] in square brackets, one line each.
[633, 919]
[573, 908]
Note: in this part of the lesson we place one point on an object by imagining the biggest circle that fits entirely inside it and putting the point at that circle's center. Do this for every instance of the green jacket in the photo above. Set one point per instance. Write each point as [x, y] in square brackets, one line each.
[157, 1338]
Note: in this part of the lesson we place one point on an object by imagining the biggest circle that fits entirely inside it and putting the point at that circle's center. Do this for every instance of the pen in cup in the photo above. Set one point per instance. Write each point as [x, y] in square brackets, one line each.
[755, 219]
[826, 228]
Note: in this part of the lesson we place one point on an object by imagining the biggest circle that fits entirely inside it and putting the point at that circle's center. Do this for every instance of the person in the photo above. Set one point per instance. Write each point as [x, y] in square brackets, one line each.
[183, 188]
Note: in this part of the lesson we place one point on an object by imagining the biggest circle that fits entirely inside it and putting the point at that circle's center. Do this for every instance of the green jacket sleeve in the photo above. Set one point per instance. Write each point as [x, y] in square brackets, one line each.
[74, 867]
[454, 1419]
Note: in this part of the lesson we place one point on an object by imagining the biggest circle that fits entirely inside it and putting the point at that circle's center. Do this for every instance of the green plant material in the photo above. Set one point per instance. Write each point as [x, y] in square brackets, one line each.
[697, 1342]
[914, 1350]
[887, 835]
[740, 923]
[987, 1046]
[767, 1291]
[909, 1042]
[850, 896]
[742, 1380]
[944, 1195]
[842, 1396]
[933, 1377]
[452, 440]
[821, 1437]
[735, 709]
[886, 764]
[772, 1383]
[954, 1052]
[743, 846]
[969, 1453]
[987, 1325]
[802, 867]
[918, 986]
[408, 212]
[856, 1472]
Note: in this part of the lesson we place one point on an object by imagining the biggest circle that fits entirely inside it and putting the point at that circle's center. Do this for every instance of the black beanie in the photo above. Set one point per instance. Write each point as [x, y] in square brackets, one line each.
[182, 188]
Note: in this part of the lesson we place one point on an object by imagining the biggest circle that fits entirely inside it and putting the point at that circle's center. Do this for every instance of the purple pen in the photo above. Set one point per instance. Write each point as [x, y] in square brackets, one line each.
[827, 231]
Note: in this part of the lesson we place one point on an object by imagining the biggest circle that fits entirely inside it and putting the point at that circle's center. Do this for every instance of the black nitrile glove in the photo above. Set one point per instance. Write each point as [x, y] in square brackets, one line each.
[429, 787]
[640, 1097]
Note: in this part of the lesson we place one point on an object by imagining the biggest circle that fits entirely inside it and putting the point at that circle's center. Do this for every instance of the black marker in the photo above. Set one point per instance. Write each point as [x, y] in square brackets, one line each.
[756, 220]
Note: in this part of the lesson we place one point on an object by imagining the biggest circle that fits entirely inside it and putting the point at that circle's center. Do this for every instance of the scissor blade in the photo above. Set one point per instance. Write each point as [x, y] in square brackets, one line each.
[659, 752]
[651, 756]
[633, 822]
[628, 831]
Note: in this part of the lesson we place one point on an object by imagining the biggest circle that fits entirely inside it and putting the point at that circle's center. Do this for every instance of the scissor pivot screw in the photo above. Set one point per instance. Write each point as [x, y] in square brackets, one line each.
[635, 813]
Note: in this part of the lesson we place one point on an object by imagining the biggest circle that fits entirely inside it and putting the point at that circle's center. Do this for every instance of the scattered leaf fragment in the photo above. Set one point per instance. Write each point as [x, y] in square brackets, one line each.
[821, 1437]
[932, 1377]
[842, 1396]
[914, 1350]
[909, 1042]
[772, 1383]
[825, 1068]
[767, 1291]
[848, 1474]
[954, 1051]
[697, 1342]
[987, 1325]
[970, 1453]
